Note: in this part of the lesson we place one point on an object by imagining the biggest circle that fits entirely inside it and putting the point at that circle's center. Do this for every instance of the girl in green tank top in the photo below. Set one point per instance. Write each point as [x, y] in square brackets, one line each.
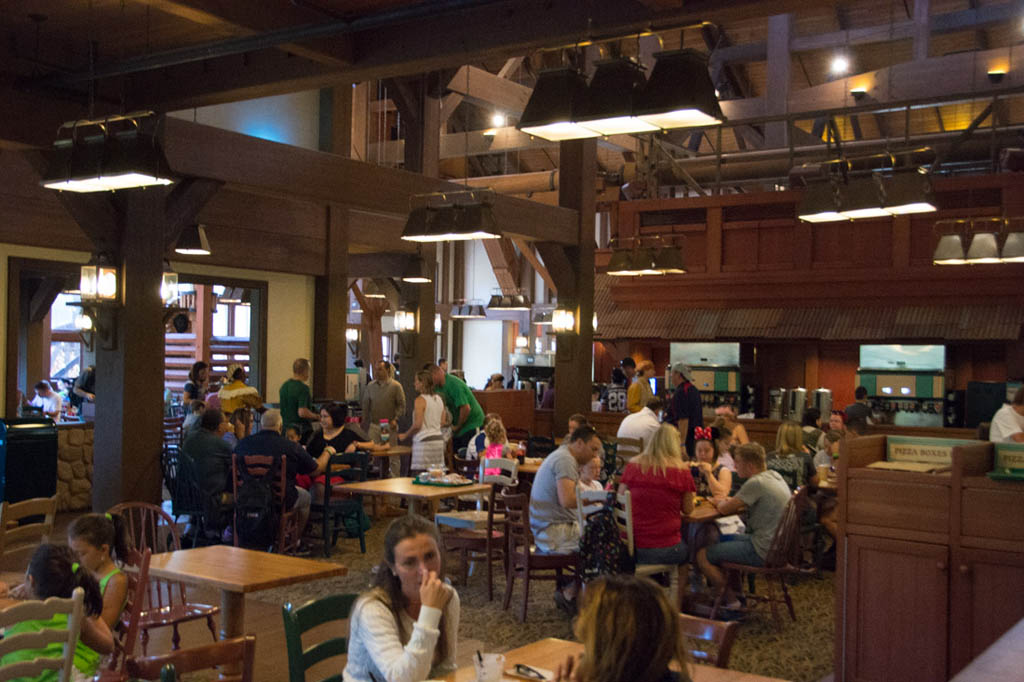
[96, 539]
[53, 572]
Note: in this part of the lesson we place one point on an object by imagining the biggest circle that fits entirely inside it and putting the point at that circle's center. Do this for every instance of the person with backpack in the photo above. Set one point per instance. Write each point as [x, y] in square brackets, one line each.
[662, 490]
[270, 442]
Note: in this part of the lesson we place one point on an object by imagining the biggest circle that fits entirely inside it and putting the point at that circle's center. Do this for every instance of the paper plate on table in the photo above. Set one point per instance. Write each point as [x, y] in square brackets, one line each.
[548, 674]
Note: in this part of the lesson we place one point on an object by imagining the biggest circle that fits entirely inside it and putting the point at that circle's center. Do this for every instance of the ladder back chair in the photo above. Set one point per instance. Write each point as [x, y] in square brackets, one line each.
[127, 631]
[337, 504]
[288, 531]
[64, 634]
[165, 602]
[488, 543]
[524, 561]
[19, 532]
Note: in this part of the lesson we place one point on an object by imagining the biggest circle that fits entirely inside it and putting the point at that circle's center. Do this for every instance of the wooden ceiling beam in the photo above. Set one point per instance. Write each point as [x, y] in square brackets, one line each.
[259, 165]
[504, 263]
[534, 260]
[476, 143]
[237, 18]
[486, 89]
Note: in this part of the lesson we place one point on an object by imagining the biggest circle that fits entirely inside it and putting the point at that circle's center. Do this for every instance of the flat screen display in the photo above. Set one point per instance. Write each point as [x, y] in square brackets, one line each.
[903, 357]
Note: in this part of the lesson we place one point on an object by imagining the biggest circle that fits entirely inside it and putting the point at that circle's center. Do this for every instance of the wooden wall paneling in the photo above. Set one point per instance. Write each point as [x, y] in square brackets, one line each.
[739, 248]
[777, 249]
[901, 242]
[837, 370]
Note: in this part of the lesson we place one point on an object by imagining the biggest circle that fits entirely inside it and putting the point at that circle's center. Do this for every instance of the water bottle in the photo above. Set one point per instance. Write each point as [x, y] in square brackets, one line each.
[384, 428]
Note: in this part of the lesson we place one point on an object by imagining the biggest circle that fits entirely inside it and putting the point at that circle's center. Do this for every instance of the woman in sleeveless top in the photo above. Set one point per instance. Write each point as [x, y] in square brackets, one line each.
[714, 479]
[428, 417]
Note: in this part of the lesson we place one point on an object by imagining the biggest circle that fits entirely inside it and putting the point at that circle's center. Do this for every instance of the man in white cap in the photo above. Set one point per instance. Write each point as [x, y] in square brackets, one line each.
[685, 411]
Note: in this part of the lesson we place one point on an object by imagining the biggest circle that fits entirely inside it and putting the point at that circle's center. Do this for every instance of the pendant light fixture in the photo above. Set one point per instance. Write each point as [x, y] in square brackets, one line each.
[415, 271]
[608, 107]
[861, 198]
[819, 203]
[1013, 248]
[949, 251]
[550, 113]
[984, 249]
[371, 290]
[452, 216]
[192, 241]
[679, 92]
[109, 154]
[908, 192]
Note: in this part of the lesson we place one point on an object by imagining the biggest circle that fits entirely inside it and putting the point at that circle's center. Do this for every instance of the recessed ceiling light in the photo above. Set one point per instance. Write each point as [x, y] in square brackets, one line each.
[840, 65]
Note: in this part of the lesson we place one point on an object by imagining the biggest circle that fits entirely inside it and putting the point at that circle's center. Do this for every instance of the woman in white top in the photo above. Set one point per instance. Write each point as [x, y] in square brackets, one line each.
[406, 627]
[427, 418]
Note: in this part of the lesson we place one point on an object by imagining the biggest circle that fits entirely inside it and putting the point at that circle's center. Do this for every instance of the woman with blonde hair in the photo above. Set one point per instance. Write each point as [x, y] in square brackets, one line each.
[639, 391]
[428, 416]
[629, 631]
[790, 459]
[662, 489]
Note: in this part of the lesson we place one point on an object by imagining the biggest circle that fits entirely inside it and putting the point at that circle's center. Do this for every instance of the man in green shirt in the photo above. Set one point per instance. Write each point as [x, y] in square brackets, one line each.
[296, 399]
[467, 415]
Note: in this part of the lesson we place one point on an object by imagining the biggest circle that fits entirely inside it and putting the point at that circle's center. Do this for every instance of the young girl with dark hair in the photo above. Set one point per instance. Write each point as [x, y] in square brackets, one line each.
[714, 479]
[53, 572]
[406, 627]
[97, 539]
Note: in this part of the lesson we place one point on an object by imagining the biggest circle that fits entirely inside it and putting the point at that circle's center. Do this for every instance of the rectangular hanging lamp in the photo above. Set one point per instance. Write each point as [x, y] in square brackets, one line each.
[679, 92]
[552, 107]
[608, 106]
[98, 158]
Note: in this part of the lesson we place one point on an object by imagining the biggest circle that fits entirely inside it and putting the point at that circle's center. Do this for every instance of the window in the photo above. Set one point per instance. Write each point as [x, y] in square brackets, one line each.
[65, 359]
[62, 315]
[220, 320]
[242, 321]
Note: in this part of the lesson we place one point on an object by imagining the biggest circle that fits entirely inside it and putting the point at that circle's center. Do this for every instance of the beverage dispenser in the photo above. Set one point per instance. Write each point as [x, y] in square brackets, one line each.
[797, 404]
[777, 403]
[822, 399]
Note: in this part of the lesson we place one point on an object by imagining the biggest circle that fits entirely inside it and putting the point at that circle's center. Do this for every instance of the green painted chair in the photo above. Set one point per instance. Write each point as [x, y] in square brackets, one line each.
[338, 507]
[313, 613]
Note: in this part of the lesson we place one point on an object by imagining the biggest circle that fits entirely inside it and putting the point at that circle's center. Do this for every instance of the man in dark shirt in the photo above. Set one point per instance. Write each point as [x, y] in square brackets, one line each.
[211, 459]
[686, 412]
[860, 410]
[270, 442]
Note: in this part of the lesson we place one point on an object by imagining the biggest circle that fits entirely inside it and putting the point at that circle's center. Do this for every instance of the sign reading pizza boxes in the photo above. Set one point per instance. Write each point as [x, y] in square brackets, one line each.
[906, 453]
[1009, 462]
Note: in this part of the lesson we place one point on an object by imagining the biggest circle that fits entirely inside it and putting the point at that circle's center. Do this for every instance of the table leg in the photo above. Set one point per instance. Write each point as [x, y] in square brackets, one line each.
[412, 505]
[232, 623]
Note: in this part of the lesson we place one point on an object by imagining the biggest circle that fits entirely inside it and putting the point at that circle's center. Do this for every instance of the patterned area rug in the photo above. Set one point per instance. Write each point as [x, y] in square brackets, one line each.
[800, 651]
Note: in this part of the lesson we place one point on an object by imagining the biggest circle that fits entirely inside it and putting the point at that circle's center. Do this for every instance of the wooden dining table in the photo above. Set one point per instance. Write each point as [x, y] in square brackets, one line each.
[236, 572]
[549, 653]
[413, 492]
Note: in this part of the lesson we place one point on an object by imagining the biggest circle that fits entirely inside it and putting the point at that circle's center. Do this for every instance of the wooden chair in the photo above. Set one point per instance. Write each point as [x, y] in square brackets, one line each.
[623, 511]
[626, 448]
[127, 631]
[314, 613]
[469, 468]
[187, 498]
[338, 504]
[165, 603]
[698, 633]
[288, 531]
[167, 667]
[486, 544]
[73, 608]
[783, 559]
[514, 433]
[523, 560]
[15, 538]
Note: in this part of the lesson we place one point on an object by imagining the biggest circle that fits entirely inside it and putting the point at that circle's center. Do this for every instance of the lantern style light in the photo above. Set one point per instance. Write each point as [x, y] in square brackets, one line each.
[168, 285]
[563, 320]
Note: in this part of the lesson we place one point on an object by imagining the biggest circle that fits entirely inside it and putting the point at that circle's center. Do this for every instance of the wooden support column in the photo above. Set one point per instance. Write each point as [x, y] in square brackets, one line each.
[422, 155]
[714, 248]
[777, 86]
[130, 369]
[331, 310]
[575, 351]
[922, 29]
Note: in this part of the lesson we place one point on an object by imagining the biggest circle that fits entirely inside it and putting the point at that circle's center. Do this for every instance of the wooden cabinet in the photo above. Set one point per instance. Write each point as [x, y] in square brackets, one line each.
[987, 599]
[930, 567]
[897, 610]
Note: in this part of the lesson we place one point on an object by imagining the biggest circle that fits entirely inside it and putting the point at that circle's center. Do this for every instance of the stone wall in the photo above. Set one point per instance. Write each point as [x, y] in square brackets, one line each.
[74, 467]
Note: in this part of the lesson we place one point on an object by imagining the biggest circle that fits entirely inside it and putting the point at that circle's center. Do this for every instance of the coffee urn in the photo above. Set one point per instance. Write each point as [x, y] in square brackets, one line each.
[777, 403]
[797, 404]
[822, 399]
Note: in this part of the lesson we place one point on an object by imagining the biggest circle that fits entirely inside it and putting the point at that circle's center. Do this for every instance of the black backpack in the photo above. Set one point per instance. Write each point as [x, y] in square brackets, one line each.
[602, 550]
[256, 514]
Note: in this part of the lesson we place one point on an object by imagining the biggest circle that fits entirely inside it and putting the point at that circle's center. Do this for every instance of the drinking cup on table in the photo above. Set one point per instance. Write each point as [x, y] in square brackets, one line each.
[435, 473]
[823, 472]
[489, 667]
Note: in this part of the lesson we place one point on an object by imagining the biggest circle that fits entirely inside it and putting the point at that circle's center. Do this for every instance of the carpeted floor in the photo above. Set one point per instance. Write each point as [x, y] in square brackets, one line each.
[801, 651]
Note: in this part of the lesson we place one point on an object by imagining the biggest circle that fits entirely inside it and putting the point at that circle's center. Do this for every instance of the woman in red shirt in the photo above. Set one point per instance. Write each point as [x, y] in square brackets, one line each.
[662, 489]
